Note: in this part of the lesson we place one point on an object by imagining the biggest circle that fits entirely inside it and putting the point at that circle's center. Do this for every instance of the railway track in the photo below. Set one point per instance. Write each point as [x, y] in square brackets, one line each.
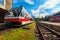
[45, 33]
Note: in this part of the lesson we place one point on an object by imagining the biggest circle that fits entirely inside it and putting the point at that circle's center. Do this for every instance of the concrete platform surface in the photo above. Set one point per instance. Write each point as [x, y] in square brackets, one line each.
[53, 23]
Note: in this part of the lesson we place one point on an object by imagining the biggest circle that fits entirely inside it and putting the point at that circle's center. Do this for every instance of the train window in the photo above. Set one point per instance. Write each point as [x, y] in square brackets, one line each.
[9, 14]
[20, 15]
[24, 14]
[15, 13]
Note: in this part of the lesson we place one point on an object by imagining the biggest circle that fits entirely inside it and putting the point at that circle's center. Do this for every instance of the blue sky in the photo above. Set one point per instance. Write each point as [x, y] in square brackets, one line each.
[28, 4]
[1, 1]
[38, 8]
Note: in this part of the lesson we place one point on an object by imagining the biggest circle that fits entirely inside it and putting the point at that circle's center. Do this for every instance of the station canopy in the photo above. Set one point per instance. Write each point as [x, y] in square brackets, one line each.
[2, 15]
[3, 10]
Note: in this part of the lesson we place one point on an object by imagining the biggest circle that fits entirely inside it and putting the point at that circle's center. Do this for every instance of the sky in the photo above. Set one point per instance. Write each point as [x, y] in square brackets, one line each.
[38, 8]
[1, 1]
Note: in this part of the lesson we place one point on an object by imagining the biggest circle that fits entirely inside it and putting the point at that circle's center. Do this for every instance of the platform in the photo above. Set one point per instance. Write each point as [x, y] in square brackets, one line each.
[26, 22]
[53, 23]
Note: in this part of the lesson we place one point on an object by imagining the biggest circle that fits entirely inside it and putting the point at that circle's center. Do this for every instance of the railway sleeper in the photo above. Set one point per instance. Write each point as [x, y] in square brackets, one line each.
[48, 35]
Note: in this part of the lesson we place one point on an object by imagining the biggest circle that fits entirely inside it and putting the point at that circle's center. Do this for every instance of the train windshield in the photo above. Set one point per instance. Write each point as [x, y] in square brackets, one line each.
[14, 14]
[9, 14]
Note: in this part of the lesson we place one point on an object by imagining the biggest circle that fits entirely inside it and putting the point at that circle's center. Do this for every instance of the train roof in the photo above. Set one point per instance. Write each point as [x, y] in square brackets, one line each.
[16, 8]
[22, 9]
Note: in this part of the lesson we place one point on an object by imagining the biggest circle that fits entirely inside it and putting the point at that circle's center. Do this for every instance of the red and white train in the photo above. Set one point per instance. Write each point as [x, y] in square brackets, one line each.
[16, 16]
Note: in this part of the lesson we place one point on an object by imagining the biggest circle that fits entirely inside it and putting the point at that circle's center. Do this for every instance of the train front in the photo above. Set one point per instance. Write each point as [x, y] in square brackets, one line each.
[15, 17]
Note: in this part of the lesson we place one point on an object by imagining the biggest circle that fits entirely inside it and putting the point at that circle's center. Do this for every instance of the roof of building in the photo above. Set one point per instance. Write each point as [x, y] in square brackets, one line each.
[3, 10]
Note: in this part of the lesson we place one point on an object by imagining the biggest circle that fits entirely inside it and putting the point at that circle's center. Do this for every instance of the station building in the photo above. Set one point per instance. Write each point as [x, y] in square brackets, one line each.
[5, 5]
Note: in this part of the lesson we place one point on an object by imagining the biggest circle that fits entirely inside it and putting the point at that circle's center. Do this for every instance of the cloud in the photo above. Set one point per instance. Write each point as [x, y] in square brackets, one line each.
[56, 10]
[29, 1]
[39, 14]
[51, 3]
[35, 13]
[47, 5]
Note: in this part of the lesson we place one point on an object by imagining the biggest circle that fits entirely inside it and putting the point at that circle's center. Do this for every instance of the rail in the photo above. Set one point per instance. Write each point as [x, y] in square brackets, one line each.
[46, 30]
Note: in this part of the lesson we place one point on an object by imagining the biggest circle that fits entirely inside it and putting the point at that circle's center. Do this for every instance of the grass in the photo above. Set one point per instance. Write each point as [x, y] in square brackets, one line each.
[24, 33]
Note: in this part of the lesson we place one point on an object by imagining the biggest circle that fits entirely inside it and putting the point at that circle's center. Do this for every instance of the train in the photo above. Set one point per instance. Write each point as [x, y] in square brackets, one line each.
[55, 17]
[16, 16]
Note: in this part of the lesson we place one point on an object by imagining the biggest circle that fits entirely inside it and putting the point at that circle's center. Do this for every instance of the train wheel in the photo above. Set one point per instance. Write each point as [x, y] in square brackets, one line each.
[17, 23]
[20, 23]
[8, 24]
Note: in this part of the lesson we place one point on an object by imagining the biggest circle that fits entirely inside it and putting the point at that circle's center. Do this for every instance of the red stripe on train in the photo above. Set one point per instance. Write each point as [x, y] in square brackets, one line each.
[16, 20]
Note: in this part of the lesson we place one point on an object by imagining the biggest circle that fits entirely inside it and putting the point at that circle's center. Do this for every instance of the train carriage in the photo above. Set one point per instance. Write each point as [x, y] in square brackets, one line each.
[16, 16]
